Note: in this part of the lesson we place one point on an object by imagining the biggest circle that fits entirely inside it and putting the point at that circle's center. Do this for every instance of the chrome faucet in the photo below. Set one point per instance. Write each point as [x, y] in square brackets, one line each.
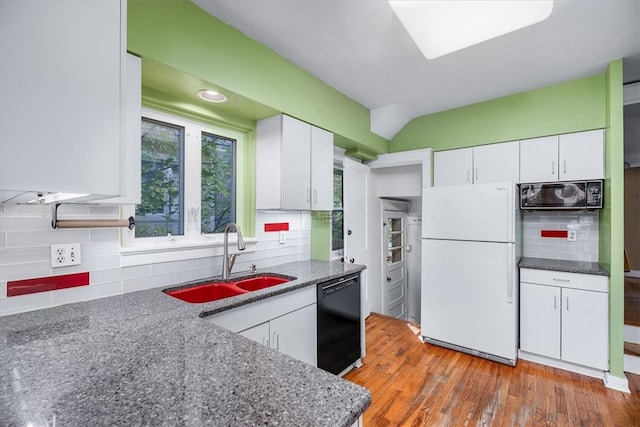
[228, 260]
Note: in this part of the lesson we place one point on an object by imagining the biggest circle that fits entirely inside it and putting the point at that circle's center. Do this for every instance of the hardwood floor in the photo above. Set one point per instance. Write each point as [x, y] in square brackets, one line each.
[632, 301]
[418, 384]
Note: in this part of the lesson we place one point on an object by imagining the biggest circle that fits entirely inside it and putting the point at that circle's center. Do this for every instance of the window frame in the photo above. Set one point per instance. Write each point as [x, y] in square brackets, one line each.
[192, 239]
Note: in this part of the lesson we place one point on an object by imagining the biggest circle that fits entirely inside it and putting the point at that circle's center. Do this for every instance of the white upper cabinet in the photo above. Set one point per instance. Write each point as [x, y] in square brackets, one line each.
[294, 165]
[474, 165]
[581, 155]
[496, 163]
[568, 157]
[63, 84]
[453, 167]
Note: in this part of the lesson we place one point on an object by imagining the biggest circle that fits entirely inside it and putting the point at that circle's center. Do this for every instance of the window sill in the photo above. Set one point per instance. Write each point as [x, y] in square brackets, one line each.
[167, 251]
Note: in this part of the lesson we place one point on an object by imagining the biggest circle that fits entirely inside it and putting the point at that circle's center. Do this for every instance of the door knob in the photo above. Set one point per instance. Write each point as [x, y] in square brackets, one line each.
[349, 232]
[389, 279]
[352, 260]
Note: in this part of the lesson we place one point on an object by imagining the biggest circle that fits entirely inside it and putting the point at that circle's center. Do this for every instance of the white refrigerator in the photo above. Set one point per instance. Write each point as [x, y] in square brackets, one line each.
[470, 251]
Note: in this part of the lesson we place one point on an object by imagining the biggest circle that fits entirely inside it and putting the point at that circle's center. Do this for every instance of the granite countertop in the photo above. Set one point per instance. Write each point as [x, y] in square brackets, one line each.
[145, 358]
[581, 267]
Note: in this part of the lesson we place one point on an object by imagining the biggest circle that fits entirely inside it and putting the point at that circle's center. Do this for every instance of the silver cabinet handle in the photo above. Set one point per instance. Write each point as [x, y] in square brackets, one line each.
[564, 166]
[308, 195]
[468, 171]
[265, 341]
[315, 196]
[276, 339]
[553, 168]
[555, 302]
[567, 305]
[562, 280]
[476, 174]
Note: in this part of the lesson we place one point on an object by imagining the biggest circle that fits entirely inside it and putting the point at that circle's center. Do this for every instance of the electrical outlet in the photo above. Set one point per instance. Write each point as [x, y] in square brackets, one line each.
[64, 255]
[572, 235]
[283, 237]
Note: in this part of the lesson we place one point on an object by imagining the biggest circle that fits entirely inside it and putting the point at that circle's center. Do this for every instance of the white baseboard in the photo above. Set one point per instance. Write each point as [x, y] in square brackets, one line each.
[632, 334]
[632, 364]
[616, 383]
[632, 273]
[561, 364]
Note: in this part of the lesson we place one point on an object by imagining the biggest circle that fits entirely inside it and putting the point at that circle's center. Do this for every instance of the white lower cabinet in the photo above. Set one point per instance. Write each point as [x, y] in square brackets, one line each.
[565, 316]
[286, 322]
[289, 334]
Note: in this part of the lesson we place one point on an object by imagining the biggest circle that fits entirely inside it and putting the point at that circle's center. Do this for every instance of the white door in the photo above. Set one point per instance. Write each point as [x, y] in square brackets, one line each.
[582, 155]
[483, 212]
[453, 167]
[539, 159]
[355, 193]
[585, 331]
[296, 163]
[321, 169]
[295, 334]
[540, 319]
[469, 297]
[496, 163]
[394, 271]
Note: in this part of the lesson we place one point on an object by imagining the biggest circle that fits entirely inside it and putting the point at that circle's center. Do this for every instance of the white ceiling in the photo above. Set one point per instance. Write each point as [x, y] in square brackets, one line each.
[360, 48]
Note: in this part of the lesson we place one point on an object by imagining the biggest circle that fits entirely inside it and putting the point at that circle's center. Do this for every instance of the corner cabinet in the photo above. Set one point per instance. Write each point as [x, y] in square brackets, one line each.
[294, 165]
[568, 157]
[286, 322]
[565, 316]
[65, 82]
[477, 165]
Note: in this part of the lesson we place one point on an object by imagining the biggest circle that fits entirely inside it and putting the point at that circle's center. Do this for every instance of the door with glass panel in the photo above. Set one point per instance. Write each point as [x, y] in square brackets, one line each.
[395, 279]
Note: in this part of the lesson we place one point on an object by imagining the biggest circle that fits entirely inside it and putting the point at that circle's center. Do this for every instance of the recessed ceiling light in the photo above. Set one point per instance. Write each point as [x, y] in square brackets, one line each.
[212, 96]
[441, 27]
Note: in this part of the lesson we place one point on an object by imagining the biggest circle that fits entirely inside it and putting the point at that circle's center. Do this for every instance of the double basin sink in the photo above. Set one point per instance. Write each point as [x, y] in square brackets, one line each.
[216, 290]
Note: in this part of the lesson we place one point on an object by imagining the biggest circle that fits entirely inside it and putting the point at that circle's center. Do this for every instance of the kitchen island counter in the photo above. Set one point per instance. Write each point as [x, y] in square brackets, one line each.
[145, 358]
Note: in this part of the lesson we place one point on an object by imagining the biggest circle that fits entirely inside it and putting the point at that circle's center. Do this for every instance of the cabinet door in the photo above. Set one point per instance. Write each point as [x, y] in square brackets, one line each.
[296, 163]
[496, 163]
[258, 333]
[540, 319]
[453, 167]
[60, 83]
[295, 334]
[585, 320]
[321, 169]
[582, 155]
[539, 159]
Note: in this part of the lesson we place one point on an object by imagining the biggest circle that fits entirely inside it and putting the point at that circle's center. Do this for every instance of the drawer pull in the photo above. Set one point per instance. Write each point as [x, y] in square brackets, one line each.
[555, 302]
[562, 280]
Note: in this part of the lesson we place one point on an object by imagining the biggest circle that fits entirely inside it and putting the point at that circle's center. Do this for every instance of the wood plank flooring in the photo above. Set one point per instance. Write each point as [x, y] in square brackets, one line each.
[418, 384]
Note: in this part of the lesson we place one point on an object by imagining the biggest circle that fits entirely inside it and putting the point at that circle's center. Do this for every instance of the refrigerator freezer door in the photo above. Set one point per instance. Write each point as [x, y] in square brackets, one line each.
[469, 296]
[481, 212]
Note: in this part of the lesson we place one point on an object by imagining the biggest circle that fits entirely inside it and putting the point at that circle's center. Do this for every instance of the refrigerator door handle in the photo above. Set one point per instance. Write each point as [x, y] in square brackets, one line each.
[510, 276]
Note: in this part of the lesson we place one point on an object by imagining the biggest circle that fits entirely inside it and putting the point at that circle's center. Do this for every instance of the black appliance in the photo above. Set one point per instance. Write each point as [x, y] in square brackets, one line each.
[339, 323]
[562, 195]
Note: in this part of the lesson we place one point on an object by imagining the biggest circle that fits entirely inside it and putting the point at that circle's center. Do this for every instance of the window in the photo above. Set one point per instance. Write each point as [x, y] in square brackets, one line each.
[188, 178]
[337, 216]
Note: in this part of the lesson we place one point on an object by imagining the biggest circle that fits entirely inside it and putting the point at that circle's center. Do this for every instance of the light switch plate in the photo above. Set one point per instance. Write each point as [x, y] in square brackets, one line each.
[572, 235]
[283, 237]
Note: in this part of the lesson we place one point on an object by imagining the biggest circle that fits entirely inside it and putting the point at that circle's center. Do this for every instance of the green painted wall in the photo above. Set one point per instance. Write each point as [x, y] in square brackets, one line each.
[563, 108]
[612, 216]
[180, 35]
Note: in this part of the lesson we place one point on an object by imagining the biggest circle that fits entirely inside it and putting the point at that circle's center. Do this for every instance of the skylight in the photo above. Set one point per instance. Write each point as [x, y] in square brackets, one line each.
[441, 27]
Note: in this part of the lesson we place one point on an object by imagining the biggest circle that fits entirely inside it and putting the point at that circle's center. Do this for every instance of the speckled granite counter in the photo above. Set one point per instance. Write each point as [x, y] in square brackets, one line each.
[145, 358]
[582, 267]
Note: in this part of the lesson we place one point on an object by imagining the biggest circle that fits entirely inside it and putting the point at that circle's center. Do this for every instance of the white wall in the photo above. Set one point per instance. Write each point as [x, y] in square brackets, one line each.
[26, 234]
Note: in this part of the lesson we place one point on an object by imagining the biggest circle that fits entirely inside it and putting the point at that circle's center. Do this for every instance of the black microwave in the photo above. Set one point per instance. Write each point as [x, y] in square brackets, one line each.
[562, 195]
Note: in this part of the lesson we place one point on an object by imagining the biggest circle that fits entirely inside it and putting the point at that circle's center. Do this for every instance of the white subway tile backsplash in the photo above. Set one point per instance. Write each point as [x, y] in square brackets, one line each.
[45, 238]
[26, 236]
[585, 248]
[23, 303]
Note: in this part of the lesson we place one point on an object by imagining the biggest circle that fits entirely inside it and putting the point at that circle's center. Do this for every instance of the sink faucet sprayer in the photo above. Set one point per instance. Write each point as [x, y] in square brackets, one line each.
[228, 260]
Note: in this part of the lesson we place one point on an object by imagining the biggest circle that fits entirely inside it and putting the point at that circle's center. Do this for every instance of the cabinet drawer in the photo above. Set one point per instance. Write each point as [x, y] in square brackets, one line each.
[244, 317]
[586, 282]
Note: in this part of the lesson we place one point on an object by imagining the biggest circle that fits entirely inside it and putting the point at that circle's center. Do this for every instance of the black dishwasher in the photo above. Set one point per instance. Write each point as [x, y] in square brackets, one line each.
[339, 323]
